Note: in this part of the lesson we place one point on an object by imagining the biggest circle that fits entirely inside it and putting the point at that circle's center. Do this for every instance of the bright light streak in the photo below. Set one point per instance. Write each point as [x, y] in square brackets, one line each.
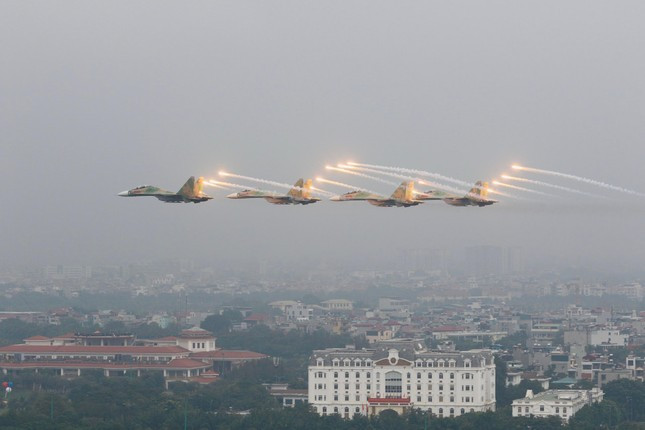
[526, 190]
[414, 172]
[268, 182]
[231, 185]
[549, 185]
[351, 172]
[410, 178]
[579, 179]
[343, 185]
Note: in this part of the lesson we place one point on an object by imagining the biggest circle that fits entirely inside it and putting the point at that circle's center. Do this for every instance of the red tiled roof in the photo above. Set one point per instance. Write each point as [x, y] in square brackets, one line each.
[402, 400]
[74, 364]
[186, 363]
[72, 349]
[37, 338]
[230, 354]
[65, 336]
[166, 338]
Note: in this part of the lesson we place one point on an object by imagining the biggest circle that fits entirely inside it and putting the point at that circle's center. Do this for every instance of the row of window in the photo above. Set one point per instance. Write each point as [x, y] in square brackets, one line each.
[357, 410]
[409, 375]
[557, 409]
[419, 363]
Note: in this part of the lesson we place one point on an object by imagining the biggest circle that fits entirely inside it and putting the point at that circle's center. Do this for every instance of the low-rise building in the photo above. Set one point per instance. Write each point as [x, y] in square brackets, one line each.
[560, 403]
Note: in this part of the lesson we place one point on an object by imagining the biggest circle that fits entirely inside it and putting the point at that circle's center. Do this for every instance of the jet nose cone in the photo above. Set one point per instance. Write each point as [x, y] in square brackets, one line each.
[123, 193]
[232, 196]
[335, 199]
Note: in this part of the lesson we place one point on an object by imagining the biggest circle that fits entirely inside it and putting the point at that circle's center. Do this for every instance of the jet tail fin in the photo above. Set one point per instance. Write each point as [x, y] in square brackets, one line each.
[480, 190]
[296, 191]
[405, 191]
[192, 187]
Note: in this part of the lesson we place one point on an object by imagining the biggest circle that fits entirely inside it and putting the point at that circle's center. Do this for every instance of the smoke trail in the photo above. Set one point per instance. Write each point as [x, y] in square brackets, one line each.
[548, 185]
[215, 185]
[268, 182]
[229, 184]
[527, 190]
[351, 172]
[344, 185]
[414, 172]
[579, 179]
[410, 178]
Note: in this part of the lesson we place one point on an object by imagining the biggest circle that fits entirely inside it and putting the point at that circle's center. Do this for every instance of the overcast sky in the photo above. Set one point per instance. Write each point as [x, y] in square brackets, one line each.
[99, 97]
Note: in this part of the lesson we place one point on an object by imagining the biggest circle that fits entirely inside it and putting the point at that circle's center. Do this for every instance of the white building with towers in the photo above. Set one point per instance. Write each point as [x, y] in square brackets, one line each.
[400, 375]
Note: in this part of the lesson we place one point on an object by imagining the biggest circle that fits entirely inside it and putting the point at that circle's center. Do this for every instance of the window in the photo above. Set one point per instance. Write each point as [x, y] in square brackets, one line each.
[335, 386]
[335, 397]
[557, 409]
[452, 399]
[393, 384]
[564, 409]
[346, 386]
[452, 376]
[418, 375]
[324, 410]
[462, 411]
[541, 408]
[408, 375]
[358, 374]
[358, 397]
[335, 409]
[347, 397]
[430, 399]
[346, 375]
[440, 375]
[429, 375]
[440, 387]
[440, 412]
[358, 410]
[369, 375]
[452, 412]
[335, 374]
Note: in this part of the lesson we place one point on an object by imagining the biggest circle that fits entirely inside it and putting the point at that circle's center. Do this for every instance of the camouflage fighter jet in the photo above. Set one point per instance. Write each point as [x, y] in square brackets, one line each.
[190, 192]
[403, 196]
[477, 196]
[300, 194]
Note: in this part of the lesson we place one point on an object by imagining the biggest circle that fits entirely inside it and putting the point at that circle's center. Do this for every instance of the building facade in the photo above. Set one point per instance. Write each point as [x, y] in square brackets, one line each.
[560, 403]
[401, 375]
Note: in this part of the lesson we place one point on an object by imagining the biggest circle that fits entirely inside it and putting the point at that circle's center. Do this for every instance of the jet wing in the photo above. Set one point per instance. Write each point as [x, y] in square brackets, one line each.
[170, 198]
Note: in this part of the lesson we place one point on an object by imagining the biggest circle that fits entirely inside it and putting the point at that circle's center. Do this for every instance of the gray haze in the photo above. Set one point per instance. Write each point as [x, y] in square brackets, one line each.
[99, 97]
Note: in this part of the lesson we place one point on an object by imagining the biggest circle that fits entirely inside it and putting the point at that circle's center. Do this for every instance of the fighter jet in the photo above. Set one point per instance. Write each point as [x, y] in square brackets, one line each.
[190, 192]
[477, 196]
[300, 194]
[403, 196]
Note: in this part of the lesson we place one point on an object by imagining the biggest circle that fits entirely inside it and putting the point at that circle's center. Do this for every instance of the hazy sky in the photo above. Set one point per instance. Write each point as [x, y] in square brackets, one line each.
[99, 97]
